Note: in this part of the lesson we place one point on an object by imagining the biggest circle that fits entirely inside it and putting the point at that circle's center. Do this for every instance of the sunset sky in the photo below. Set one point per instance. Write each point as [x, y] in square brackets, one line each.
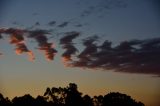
[71, 47]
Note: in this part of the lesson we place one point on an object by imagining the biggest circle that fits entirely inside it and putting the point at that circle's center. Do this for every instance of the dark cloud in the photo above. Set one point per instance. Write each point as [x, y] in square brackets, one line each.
[17, 39]
[86, 13]
[90, 47]
[67, 44]
[85, 56]
[135, 56]
[64, 24]
[99, 7]
[1, 36]
[21, 48]
[12, 31]
[15, 23]
[37, 24]
[69, 36]
[78, 25]
[48, 48]
[52, 23]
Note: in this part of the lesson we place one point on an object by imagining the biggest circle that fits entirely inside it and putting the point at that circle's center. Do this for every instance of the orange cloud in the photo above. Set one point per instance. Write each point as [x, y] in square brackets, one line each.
[44, 45]
[18, 40]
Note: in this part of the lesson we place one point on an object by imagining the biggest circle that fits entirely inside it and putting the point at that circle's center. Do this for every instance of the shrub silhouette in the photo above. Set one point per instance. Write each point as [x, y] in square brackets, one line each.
[70, 96]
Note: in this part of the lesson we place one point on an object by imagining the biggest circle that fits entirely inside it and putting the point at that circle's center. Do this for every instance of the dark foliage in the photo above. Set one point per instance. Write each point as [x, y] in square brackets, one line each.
[70, 96]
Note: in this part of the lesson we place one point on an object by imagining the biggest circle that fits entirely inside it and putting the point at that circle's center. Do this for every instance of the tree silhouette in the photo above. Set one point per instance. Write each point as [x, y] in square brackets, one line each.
[41, 101]
[26, 100]
[4, 101]
[98, 100]
[87, 101]
[70, 96]
[73, 96]
[118, 99]
[56, 95]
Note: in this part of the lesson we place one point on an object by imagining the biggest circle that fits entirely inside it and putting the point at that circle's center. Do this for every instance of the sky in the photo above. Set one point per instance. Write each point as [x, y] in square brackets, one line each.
[101, 45]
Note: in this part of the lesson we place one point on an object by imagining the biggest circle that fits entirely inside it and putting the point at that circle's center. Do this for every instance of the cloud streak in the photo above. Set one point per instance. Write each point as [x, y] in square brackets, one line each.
[51, 23]
[102, 6]
[17, 38]
[135, 56]
[68, 45]
[132, 56]
[48, 48]
[64, 24]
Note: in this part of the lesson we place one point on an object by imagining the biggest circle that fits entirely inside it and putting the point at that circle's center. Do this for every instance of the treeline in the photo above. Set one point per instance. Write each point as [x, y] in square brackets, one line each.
[70, 96]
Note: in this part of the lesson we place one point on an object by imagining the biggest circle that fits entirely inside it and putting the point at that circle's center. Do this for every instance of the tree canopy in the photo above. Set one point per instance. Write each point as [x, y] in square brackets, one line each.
[70, 96]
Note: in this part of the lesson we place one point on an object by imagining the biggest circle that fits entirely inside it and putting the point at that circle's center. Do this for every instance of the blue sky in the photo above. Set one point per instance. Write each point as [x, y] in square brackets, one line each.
[116, 21]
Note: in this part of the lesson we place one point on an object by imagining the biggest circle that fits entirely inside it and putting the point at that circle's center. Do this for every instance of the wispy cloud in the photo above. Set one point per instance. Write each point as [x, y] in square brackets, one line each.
[52, 23]
[64, 24]
[134, 56]
[48, 48]
[101, 6]
[68, 45]
[17, 39]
